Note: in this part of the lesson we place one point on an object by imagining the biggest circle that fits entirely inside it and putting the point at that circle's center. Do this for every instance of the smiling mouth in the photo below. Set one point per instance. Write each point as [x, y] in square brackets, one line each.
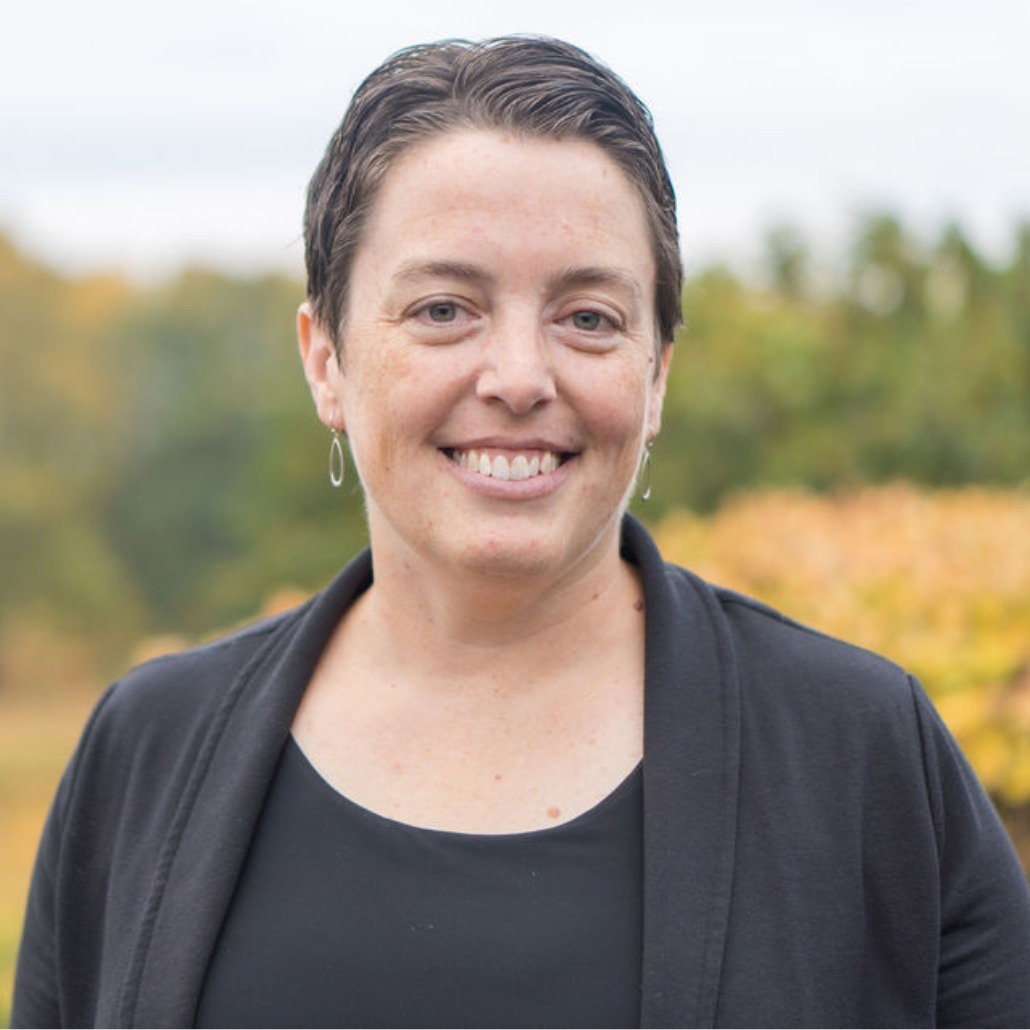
[507, 466]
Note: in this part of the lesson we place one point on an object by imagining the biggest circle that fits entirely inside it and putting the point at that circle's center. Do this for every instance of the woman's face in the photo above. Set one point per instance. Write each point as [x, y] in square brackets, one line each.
[497, 377]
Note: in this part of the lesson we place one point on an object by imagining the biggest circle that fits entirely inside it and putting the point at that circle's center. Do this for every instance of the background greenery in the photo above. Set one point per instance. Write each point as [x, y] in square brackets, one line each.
[163, 475]
[162, 467]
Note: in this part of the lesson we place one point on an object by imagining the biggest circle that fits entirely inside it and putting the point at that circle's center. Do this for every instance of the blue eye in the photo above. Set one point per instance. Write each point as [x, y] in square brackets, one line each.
[443, 311]
[590, 321]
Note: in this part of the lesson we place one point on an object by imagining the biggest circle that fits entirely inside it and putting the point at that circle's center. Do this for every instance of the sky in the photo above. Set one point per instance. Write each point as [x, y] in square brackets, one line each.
[141, 136]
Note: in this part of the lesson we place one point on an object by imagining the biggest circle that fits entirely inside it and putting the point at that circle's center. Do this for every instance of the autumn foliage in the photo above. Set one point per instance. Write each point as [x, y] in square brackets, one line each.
[938, 582]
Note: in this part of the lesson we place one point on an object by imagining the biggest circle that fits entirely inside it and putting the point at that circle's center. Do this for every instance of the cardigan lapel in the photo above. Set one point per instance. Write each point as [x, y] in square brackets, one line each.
[221, 804]
[691, 765]
[691, 737]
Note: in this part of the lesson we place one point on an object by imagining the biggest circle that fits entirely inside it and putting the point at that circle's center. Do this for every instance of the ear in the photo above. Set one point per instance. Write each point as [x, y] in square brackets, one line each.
[321, 368]
[654, 414]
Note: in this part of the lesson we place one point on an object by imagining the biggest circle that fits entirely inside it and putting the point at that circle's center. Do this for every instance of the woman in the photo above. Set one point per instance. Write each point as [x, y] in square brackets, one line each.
[523, 773]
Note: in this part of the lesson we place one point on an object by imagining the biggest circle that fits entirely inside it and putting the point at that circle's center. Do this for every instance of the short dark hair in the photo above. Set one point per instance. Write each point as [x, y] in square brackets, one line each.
[530, 85]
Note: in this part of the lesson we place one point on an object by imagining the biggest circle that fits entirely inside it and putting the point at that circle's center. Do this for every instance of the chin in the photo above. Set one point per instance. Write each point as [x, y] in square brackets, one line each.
[507, 557]
[511, 554]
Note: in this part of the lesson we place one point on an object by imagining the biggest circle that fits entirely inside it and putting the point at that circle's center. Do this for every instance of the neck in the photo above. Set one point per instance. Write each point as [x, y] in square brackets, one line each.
[455, 625]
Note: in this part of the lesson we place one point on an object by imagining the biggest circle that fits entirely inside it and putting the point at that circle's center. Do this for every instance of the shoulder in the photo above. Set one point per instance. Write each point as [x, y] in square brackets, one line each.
[810, 705]
[151, 728]
[782, 652]
[828, 731]
[151, 725]
[167, 714]
[773, 665]
[191, 685]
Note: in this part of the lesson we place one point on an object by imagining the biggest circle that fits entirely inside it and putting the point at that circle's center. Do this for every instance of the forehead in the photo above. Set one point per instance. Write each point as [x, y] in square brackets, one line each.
[494, 195]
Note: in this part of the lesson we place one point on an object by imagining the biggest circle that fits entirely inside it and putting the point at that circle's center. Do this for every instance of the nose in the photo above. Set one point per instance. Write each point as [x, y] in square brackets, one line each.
[517, 369]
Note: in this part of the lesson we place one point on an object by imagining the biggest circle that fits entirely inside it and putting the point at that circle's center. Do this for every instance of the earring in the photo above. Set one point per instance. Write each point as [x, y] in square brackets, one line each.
[337, 468]
[644, 472]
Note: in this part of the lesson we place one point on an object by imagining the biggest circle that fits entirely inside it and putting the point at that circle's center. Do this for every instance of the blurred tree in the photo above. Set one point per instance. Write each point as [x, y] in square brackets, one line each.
[163, 468]
[786, 262]
[211, 443]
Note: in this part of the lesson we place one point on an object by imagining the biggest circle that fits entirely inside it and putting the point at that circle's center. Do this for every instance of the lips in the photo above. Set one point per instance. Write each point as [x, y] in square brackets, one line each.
[508, 464]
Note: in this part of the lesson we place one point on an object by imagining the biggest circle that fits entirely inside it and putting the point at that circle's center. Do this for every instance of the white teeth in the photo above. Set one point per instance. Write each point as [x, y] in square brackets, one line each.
[500, 467]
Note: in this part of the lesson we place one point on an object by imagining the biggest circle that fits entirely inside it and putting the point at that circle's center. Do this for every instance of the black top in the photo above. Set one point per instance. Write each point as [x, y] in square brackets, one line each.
[345, 918]
[816, 850]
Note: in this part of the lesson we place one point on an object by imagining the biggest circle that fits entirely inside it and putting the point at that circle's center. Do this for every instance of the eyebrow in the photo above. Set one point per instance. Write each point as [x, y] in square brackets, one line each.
[568, 278]
[415, 270]
[597, 275]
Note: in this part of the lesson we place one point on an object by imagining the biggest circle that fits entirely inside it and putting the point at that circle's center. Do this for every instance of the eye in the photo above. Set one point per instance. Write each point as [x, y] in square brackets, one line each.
[442, 319]
[589, 320]
[590, 324]
[442, 311]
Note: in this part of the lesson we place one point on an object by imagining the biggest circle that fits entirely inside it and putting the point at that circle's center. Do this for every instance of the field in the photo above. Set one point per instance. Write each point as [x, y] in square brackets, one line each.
[939, 582]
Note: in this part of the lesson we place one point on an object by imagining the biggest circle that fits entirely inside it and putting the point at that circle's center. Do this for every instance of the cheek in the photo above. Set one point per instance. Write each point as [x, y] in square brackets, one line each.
[397, 402]
[618, 406]
[617, 418]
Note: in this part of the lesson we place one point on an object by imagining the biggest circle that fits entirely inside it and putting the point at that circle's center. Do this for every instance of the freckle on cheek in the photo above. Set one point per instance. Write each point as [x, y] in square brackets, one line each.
[553, 812]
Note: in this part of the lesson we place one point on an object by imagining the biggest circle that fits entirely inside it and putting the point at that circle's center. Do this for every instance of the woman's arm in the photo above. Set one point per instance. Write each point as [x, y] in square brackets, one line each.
[984, 967]
[36, 1001]
[37, 982]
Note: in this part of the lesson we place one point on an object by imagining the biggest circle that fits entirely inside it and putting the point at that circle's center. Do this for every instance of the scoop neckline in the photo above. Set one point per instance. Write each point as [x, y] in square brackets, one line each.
[616, 794]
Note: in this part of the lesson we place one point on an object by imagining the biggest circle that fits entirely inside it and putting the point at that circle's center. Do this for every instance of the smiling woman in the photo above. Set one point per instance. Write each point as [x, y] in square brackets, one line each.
[497, 325]
[510, 768]
[498, 306]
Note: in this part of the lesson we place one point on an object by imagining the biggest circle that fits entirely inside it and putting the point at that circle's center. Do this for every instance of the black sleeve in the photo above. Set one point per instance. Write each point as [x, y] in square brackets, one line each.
[35, 981]
[37, 987]
[984, 966]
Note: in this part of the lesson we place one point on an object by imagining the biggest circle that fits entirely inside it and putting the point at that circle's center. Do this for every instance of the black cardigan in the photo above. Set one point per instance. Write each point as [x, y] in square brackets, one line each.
[816, 850]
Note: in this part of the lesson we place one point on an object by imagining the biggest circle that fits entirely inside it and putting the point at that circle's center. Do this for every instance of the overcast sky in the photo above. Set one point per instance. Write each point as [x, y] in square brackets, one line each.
[141, 135]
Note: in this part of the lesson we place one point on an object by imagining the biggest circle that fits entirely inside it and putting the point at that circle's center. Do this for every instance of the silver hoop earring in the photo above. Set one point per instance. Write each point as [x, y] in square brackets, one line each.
[644, 472]
[337, 468]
